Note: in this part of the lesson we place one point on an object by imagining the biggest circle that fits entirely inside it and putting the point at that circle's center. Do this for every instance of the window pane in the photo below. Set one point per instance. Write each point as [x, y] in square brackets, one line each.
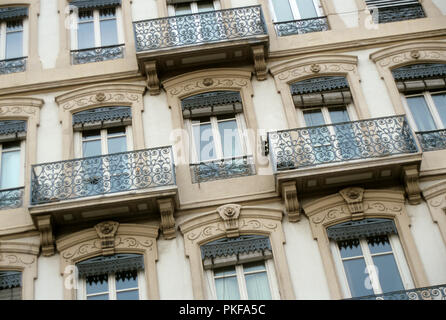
[204, 6]
[351, 250]
[338, 115]
[204, 142]
[227, 288]
[125, 283]
[250, 267]
[182, 8]
[257, 286]
[10, 171]
[99, 297]
[97, 287]
[109, 32]
[14, 45]
[91, 148]
[128, 295]
[306, 9]
[357, 275]
[440, 103]
[118, 144]
[222, 272]
[85, 35]
[379, 245]
[282, 10]
[116, 131]
[314, 118]
[107, 13]
[421, 114]
[11, 293]
[388, 274]
[85, 15]
[230, 140]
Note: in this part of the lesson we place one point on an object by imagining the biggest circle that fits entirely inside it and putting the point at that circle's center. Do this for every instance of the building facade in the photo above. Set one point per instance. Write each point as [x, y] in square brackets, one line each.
[223, 149]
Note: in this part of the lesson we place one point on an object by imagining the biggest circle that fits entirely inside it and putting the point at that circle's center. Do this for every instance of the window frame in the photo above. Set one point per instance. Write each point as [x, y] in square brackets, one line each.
[22, 149]
[193, 6]
[74, 16]
[3, 34]
[430, 105]
[295, 10]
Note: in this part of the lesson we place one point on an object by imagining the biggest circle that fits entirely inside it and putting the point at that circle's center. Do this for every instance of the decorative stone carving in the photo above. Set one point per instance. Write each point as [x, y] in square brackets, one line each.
[315, 68]
[260, 67]
[230, 214]
[289, 196]
[46, 235]
[153, 82]
[353, 197]
[415, 54]
[100, 96]
[413, 191]
[167, 209]
[208, 82]
[106, 232]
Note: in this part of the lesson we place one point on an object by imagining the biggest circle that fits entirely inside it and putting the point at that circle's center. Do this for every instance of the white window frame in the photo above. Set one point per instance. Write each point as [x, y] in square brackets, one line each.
[398, 255]
[25, 36]
[241, 128]
[270, 272]
[97, 29]
[430, 105]
[295, 9]
[21, 148]
[112, 292]
[325, 113]
[194, 7]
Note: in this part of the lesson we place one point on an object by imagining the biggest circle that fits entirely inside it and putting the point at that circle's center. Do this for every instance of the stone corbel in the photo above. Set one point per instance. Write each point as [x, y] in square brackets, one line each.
[46, 235]
[153, 82]
[230, 214]
[167, 209]
[413, 191]
[354, 199]
[258, 53]
[289, 195]
[106, 232]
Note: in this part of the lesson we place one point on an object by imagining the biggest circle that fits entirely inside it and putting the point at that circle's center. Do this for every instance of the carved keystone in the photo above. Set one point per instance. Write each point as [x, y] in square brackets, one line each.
[46, 235]
[230, 214]
[258, 53]
[153, 83]
[167, 209]
[106, 232]
[413, 191]
[353, 197]
[289, 195]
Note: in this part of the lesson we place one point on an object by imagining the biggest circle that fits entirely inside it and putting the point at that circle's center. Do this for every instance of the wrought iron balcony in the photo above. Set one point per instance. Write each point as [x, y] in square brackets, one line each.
[11, 198]
[13, 65]
[426, 293]
[97, 54]
[287, 28]
[432, 140]
[356, 140]
[222, 169]
[199, 28]
[118, 172]
[397, 12]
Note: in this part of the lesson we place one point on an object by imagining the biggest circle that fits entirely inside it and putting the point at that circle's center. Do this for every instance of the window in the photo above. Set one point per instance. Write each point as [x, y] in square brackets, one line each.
[193, 7]
[289, 10]
[10, 285]
[384, 11]
[99, 35]
[118, 277]
[370, 265]
[427, 110]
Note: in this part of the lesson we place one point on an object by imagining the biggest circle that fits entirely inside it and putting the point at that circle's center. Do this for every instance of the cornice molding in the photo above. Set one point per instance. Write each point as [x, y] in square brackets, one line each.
[407, 47]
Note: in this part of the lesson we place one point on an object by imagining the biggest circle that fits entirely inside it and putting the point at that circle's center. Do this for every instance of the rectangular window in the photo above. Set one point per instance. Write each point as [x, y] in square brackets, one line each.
[113, 286]
[427, 111]
[10, 165]
[289, 10]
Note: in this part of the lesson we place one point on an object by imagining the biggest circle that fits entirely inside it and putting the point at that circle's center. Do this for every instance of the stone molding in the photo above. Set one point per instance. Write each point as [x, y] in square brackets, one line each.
[291, 201]
[20, 256]
[251, 221]
[167, 209]
[129, 238]
[435, 197]
[102, 95]
[331, 210]
[310, 66]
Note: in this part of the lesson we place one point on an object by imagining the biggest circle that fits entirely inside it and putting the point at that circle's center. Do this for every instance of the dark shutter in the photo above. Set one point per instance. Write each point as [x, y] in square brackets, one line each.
[211, 104]
[361, 229]
[420, 77]
[102, 117]
[85, 4]
[321, 91]
[389, 3]
[10, 13]
[10, 279]
[12, 130]
[104, 265]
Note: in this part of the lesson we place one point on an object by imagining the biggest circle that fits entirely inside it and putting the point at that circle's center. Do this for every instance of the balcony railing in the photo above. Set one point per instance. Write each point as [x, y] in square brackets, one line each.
[11, 198]
[99, 175]
[199, 28]
[97, 54]
[426, 293]
[287, 28]
[364, 139]
[13, 65]
[397, 12]
[432, 140]
[222, 169]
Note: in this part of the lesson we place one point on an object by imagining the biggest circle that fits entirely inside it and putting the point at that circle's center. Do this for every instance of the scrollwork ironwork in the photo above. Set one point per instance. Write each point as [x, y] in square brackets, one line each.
[398, 13]
[11, 198]
[105, 174]
[97, 54]
[302, 26]
[432, 140]
[13, 65]
[311, 146]
[425, 293]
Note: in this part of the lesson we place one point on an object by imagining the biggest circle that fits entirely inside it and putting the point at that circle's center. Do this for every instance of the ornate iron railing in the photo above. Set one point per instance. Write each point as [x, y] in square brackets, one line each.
[373, 138]
[11, 198]
[287, 28]
[106, 174]
[397, 13]
[222, 169]
[432, 140]
[13, 65]
[97, 54]
[198, 28]
[426, 293]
